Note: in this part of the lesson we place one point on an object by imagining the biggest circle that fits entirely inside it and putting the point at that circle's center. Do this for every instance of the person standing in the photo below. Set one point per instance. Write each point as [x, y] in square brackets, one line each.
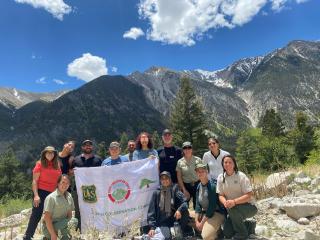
[144, 147]
[86, 159]
[115, 158]
[214, 157]
[45, 177]
[169, 155]
[131, 147]
[187, 177]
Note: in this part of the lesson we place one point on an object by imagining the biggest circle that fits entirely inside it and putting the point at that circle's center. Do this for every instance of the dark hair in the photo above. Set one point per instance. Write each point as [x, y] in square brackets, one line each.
[63, 176]
[138, 142]
[44, 160]
[234, 162]
[213, 139]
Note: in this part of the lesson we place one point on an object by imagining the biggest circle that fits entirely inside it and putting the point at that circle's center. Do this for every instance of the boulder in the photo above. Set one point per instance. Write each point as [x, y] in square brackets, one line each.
[261, 230]
[309, 235]
[300, 210]
[304, 221]
[277, 179]
[303, 180]
[287, 224]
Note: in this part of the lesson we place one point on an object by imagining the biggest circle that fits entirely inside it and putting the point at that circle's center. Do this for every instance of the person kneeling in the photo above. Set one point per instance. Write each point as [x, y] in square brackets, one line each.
[57, 211]
[209, 214]
[167, 205]
[235, 193]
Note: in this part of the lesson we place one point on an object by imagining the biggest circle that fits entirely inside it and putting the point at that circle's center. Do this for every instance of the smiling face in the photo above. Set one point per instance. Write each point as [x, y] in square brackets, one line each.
[187, 152]
[63, 184]
[213, 145]
[49, 155]
[167, 138]
[114, 152]
[228, 165]
[87, 148]
[131, 146]
[165, 181]
[144, 140]
[202, 174]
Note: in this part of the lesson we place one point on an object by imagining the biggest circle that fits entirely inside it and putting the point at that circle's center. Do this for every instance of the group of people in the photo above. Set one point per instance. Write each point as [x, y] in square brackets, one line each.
[221, 194]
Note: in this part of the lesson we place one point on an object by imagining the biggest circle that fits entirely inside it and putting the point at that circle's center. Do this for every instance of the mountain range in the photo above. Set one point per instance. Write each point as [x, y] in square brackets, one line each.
[235, 98]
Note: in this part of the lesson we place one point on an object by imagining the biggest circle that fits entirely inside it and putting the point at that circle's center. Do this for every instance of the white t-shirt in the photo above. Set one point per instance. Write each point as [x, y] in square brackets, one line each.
[215, 167]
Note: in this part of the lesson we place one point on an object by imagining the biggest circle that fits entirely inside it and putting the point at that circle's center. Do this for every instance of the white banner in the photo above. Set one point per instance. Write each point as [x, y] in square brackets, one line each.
[118, 195]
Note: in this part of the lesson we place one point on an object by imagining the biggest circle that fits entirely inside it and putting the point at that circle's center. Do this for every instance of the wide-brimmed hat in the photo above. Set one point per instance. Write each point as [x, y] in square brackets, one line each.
[49, 149]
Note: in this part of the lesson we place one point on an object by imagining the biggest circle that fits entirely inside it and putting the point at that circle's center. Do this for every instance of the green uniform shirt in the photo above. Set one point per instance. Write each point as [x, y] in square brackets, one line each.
[234, 186]
[58, 205]
[187, 169]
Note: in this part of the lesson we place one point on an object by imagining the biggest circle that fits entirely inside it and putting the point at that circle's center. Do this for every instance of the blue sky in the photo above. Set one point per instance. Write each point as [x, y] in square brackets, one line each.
[60, 44]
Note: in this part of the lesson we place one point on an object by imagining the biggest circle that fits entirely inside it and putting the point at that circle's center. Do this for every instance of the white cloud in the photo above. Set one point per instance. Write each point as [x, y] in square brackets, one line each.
[41, 80]
[133, 33]
[56, 7]
[278, 5]
[114, 69]
[87, 67]
[186, 21]
[59, 82]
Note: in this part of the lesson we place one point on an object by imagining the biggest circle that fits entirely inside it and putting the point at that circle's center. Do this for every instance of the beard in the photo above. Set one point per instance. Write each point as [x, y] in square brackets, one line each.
[87, 151]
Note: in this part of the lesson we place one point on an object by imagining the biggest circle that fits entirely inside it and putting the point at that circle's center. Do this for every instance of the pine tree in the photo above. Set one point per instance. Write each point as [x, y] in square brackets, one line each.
[187, 118]
[302, 137]
[13, 182]
[248, 150]
[271, 124]
[156, 140]
[124, 142]
[314, 156]
[102, 150]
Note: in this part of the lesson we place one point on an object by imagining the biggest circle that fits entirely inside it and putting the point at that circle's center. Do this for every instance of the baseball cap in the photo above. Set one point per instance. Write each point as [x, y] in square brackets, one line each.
[186, 144]
[114, 144]
[87, 141]
[166, 131]
[165, 173]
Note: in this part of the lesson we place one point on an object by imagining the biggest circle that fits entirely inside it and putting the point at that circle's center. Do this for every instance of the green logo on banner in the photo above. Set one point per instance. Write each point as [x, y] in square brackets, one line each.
[145, 182]
[89, 194]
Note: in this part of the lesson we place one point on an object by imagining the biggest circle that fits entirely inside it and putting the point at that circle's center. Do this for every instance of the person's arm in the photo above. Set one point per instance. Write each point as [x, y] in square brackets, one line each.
[240, 200]
[48, 220]
[151, 216]
[36, 198]
[213, 199]
[181, 184]
[69, 214]
[70, 162]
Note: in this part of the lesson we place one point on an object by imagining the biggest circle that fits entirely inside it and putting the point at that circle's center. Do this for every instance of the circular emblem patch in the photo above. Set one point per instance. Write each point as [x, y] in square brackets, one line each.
[119, 191]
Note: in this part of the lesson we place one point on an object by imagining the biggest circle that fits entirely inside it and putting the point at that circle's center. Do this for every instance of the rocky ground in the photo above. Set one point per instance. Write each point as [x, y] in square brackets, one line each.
[292, 210]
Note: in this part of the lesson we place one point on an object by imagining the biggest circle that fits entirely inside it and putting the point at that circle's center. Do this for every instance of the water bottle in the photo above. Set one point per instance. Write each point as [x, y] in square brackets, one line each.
[177, 231]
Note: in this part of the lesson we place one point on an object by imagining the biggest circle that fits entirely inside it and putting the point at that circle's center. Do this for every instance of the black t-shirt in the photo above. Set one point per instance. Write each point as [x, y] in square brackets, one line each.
[65, 164]
[168, 157]
[80, 161]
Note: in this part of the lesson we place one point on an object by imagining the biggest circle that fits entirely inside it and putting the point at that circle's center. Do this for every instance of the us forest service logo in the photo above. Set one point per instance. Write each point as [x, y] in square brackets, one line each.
[89, 194]
[119, 191]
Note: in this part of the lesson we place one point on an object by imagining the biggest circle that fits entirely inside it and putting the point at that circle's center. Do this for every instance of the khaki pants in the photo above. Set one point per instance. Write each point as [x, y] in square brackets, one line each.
[212, 226]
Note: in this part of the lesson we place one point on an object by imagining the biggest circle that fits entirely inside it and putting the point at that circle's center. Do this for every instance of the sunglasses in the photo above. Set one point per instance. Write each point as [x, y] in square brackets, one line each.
[187, 148]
